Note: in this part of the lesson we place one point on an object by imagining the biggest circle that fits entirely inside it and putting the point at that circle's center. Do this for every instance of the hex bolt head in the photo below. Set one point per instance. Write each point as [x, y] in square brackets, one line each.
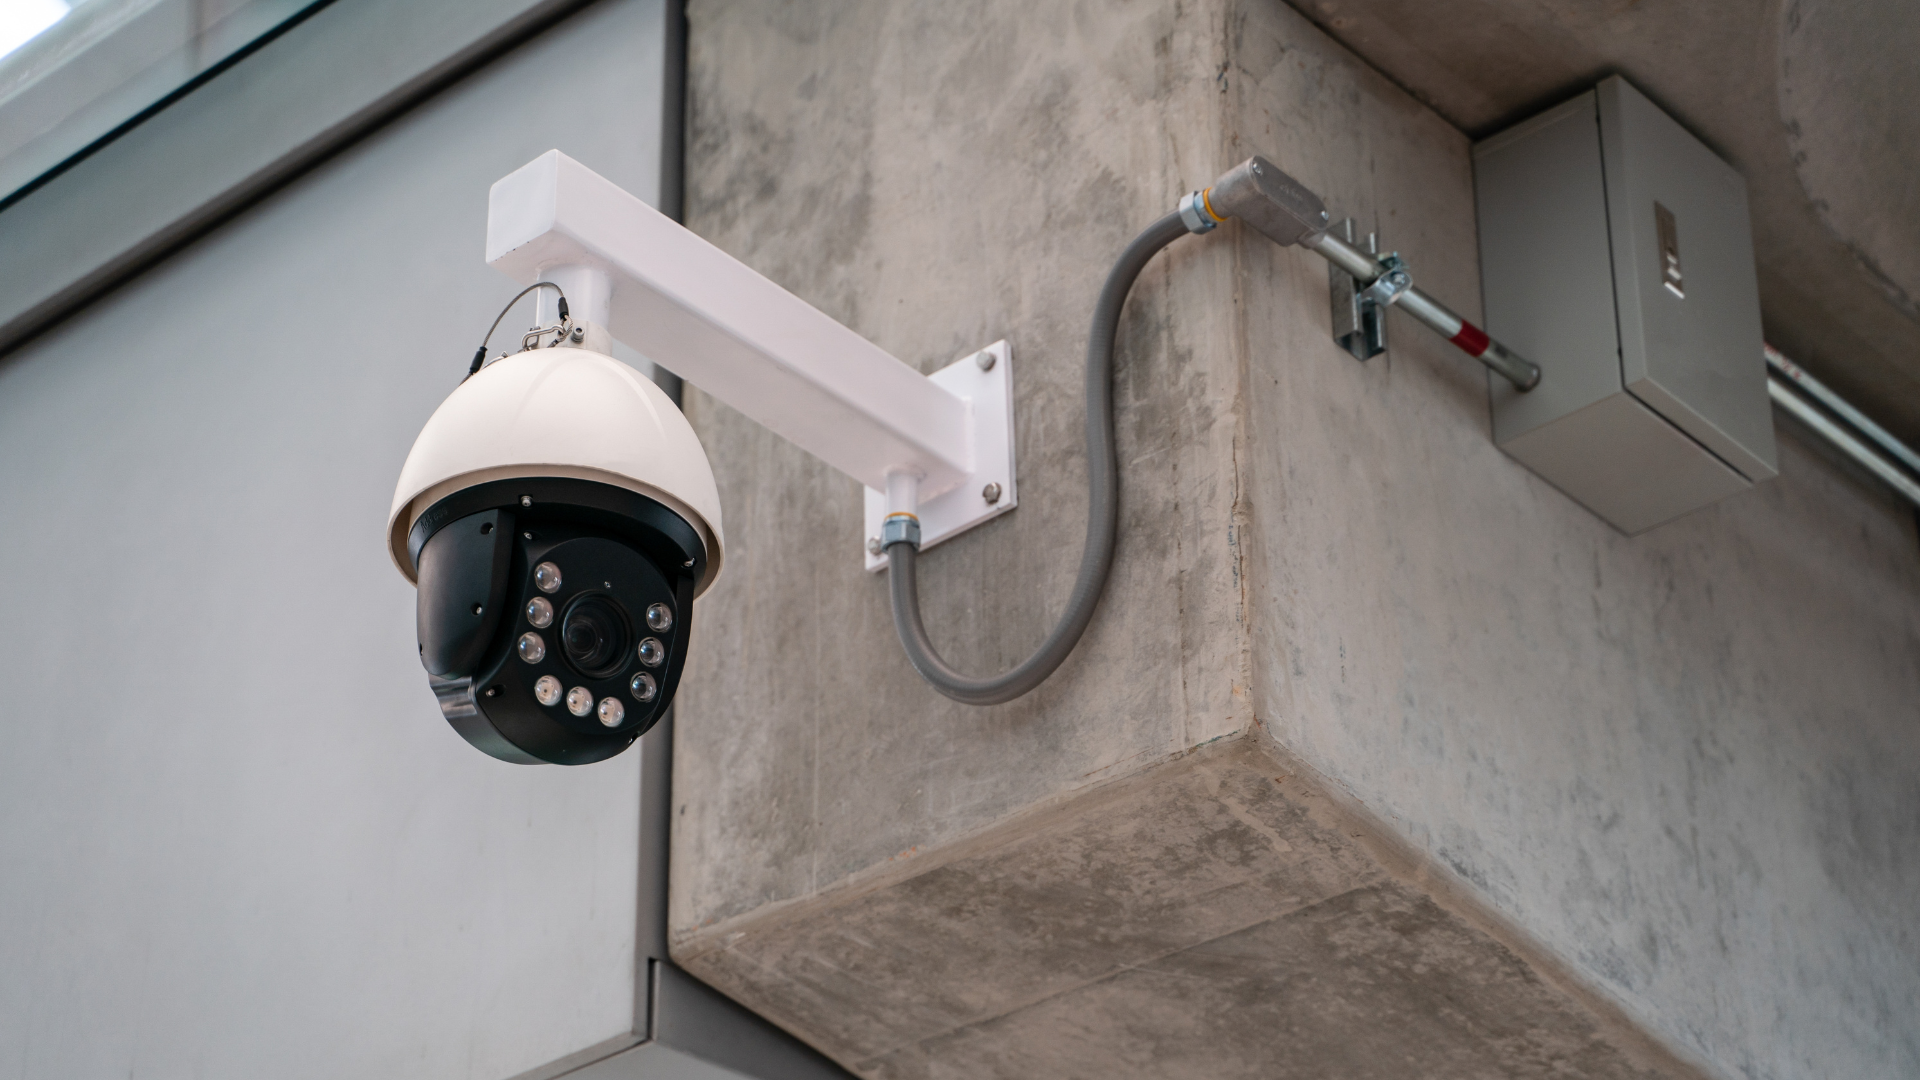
[991, 493]
[579, 334]
[526, 500]
[985, 359]
[873, 545]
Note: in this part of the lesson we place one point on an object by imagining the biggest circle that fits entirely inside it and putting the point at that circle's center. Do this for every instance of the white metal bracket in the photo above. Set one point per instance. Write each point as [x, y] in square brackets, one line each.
[987, 387]
[704, 315]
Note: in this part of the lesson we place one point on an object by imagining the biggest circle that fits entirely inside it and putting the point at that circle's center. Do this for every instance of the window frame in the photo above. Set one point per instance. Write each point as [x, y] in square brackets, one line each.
[316, 85]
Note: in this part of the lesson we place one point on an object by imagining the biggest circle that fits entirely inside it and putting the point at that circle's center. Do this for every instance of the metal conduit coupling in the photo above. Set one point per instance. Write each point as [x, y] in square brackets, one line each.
[1285, 211]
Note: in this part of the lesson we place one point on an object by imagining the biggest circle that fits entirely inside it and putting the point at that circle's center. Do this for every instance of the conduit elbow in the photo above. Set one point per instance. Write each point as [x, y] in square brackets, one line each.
[1274, 204]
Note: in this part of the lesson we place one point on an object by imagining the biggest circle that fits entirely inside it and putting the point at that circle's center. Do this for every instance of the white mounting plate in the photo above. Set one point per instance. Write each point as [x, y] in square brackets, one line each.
[989, 398]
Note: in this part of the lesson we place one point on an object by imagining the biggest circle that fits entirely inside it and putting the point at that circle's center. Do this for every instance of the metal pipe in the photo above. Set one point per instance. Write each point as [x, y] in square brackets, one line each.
[1366, 269]
[1284, 211]
[1818, 391]
[1842, 439]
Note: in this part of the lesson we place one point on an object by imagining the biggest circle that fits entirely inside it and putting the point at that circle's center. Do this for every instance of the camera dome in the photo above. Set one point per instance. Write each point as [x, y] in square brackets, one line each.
[559, 413]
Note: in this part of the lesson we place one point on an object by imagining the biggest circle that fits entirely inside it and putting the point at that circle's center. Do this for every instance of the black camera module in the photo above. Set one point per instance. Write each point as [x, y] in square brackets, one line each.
[553, 615]
[594, 635]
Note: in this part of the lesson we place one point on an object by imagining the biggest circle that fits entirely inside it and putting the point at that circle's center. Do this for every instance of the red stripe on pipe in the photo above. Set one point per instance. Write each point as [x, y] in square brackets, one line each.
[1471, 338]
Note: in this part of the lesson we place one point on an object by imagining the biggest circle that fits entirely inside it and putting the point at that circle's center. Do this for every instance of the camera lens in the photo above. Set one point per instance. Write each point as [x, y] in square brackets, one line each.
[540, 612]
[594, 634]
[660, 617]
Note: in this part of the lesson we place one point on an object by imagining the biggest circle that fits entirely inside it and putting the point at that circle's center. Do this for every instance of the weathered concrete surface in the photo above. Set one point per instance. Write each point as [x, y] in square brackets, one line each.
[1812, 100]
[938, 177]
[1224, 915]
[1682, 762]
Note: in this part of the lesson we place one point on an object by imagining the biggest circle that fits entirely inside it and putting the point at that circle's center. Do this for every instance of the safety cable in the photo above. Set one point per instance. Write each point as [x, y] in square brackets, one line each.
[1103, 510]
[480, 354]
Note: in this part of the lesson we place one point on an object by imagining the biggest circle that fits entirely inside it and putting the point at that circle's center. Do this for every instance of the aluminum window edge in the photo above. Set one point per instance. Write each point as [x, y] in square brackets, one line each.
[343, 71]
[36, 162]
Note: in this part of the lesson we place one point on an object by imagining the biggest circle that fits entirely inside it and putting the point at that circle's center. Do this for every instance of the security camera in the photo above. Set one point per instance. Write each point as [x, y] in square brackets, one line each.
[558, 516]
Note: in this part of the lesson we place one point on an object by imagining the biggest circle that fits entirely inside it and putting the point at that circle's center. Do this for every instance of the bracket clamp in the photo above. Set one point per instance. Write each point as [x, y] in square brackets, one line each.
[1359, 316]
[1392, 282]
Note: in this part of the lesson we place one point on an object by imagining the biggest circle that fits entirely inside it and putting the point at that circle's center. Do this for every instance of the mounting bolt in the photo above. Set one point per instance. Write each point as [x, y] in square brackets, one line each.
[991, 493]
[526, 500]
[873, 545]
[985, 359]
[579, 334]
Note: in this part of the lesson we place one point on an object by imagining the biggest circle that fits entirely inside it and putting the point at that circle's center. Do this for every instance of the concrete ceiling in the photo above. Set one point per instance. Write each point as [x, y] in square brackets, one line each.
[1813, 100]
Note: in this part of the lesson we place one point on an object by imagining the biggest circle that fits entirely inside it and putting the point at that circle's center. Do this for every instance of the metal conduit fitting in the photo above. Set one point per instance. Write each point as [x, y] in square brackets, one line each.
[1283, 210]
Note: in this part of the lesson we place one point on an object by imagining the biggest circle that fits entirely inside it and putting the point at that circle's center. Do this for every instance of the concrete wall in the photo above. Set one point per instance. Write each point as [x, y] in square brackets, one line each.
[237, 839]
[1670, 778]
[939, 177]
[1684, 761]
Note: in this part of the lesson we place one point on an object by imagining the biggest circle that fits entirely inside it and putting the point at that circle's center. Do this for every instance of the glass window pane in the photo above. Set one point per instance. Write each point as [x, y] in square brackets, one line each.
[71, 73]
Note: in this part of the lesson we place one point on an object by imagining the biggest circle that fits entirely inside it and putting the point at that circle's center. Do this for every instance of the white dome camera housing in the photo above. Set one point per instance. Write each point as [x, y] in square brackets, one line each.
[559, 516]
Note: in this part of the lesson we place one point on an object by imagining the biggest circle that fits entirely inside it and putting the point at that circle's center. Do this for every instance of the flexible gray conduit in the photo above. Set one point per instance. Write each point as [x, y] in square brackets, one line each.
[1103, 510]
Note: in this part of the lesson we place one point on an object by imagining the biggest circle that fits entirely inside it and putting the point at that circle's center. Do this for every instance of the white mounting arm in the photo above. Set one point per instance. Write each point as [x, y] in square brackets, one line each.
[714, 321]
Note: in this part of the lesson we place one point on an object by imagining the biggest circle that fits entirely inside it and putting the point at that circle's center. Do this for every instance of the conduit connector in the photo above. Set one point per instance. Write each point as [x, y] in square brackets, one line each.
[1195, 215]
[903, 528]
[1283, 210]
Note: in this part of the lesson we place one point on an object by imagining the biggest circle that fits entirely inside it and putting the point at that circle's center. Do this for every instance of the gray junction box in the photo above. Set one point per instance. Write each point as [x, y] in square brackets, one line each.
[1615, 252]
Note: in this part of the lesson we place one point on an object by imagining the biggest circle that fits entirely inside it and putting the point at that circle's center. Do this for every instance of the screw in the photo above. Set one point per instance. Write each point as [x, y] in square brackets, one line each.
[1324, 216]
[991, 493]
[985, 359]
[873, 545]
[688, 563]
[526, 500]
[579, 334]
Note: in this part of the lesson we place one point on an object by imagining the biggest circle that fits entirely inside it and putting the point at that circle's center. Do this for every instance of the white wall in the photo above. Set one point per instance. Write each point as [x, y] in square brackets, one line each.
[236, 837]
